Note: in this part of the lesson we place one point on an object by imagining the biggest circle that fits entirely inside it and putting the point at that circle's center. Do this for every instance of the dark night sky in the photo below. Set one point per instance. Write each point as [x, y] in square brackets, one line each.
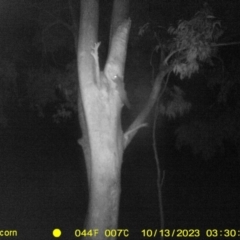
[42, 171]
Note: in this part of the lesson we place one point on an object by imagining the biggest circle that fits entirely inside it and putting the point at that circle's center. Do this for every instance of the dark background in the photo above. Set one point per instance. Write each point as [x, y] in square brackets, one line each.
[42, 171]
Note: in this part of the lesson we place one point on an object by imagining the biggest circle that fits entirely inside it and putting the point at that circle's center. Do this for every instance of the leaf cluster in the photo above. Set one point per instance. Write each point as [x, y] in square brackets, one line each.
[193, 42]
[177, 105]
[52, 87]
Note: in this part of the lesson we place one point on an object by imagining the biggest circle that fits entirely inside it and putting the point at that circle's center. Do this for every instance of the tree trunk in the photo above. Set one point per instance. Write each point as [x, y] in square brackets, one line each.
[101, 97]
[100, 106]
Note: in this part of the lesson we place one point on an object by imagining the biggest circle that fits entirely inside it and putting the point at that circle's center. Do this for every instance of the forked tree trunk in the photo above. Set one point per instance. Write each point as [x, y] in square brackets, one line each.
[100, 106]
[101, 97]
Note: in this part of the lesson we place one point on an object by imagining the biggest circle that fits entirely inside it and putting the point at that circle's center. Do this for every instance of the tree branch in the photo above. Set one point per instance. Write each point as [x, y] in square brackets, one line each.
[133, 128]
[224, 44]
[119, 14]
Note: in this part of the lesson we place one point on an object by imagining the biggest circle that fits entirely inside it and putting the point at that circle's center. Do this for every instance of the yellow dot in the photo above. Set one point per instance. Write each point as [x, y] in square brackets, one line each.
[57, 232]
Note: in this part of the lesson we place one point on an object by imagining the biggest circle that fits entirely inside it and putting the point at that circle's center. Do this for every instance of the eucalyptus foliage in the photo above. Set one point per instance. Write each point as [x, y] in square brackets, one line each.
[193, 42]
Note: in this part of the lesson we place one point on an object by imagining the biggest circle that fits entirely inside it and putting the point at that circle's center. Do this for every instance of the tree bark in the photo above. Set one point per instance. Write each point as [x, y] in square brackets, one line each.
[100, 103]
[100, 106]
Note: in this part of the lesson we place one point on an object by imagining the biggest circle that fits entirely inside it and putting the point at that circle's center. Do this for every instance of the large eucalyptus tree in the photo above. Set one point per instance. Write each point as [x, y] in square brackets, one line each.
[102, 96]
